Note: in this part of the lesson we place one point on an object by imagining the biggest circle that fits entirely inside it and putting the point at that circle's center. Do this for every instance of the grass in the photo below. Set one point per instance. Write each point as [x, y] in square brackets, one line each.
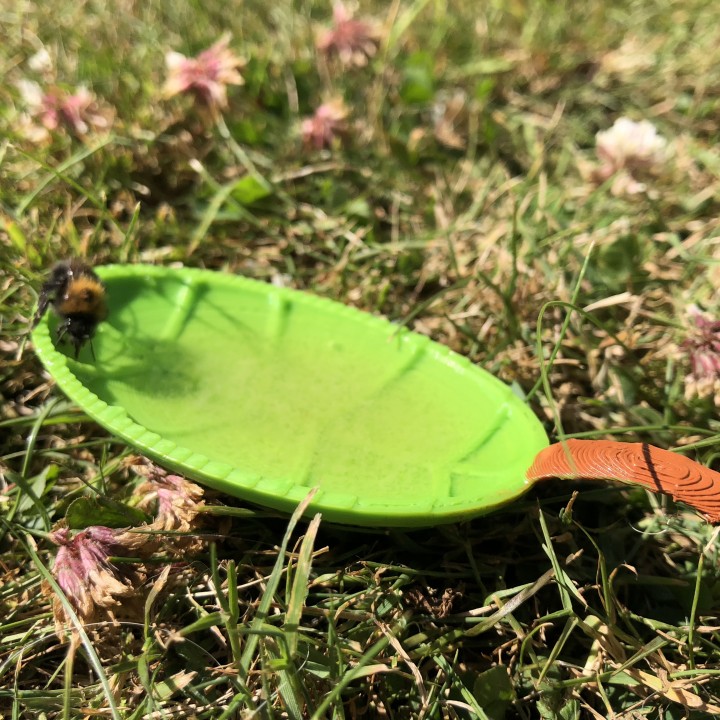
[459, 203]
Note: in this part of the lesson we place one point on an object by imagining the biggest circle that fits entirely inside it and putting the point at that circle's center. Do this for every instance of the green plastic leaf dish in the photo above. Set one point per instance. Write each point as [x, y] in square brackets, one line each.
[264, 393]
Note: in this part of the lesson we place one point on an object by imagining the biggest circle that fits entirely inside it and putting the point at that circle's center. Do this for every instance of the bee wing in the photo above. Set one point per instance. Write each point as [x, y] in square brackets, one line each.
[54, 286]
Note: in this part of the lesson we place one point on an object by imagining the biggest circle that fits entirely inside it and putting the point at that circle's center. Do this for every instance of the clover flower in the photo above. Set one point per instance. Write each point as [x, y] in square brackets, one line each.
[177, 500]
[205, 76]
[325, 125]
[629, 149]
[41, 62]
[85, 574]
[77, 112]
[353, 41]
[94, 585]
[702, 347]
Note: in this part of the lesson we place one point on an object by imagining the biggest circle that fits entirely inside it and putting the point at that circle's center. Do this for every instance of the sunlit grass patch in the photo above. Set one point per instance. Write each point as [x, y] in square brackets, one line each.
[462, 195]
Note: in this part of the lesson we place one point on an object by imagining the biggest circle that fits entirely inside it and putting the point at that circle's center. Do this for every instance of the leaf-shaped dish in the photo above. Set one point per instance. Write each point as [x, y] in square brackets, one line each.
[264, 393]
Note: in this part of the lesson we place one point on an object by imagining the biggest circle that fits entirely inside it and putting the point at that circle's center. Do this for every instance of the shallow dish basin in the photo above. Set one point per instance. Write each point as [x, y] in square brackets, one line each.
[265, 392]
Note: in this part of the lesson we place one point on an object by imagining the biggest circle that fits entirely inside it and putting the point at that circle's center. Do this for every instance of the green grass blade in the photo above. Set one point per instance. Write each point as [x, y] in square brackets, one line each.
[273, 581]
[299, 591]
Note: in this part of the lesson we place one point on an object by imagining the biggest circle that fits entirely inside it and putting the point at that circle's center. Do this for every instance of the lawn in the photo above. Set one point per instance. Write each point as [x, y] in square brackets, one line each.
[457, 168]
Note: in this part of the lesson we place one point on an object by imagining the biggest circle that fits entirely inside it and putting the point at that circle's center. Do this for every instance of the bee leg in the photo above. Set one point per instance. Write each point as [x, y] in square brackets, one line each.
[43, 303]
[60, 334]
[61, 337]
[92, 351]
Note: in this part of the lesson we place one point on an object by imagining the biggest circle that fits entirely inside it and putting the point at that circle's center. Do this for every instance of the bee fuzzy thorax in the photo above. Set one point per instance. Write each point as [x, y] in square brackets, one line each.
[84, 295]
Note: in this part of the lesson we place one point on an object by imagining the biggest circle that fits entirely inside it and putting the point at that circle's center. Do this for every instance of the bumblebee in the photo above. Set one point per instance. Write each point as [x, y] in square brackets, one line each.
[78, 297]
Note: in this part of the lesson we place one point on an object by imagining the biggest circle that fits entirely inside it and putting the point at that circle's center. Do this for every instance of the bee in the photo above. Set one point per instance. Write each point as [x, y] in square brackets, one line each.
[78, 297]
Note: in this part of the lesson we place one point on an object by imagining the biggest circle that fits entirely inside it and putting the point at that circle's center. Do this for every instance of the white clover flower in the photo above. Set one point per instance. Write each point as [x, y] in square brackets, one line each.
[41, 61]
[630, 145]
